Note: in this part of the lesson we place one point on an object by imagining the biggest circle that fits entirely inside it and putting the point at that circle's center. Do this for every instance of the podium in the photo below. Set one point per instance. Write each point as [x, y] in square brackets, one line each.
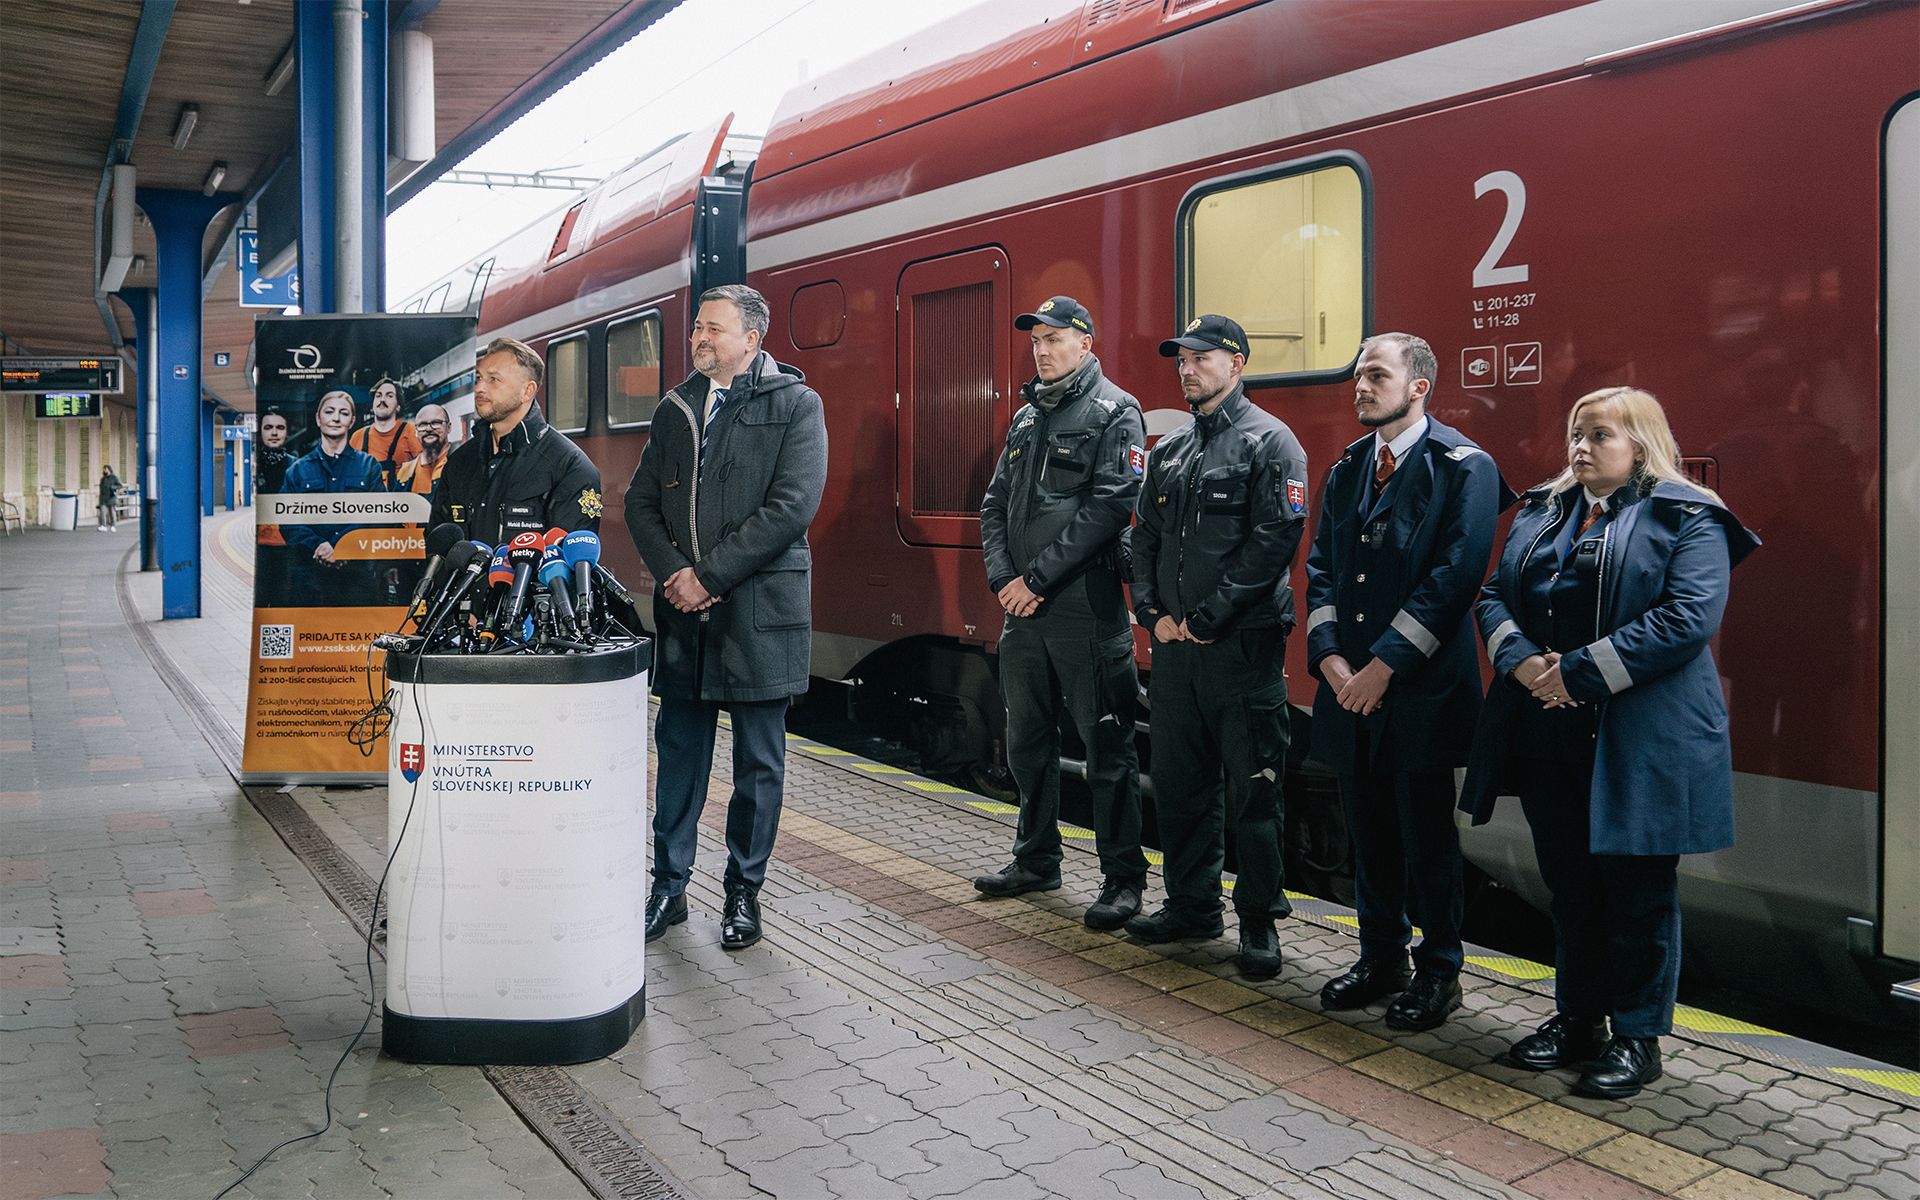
[516, 903]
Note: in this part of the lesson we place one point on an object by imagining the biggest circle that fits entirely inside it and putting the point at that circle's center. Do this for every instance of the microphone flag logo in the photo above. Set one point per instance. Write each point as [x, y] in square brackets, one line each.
[413, 759]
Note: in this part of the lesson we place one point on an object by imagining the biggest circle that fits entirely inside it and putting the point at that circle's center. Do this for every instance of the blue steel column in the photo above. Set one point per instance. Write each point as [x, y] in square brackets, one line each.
[314, 72]
[231, 467]
[139, 302]
[208, 488]
[246, 473]
[179, 224]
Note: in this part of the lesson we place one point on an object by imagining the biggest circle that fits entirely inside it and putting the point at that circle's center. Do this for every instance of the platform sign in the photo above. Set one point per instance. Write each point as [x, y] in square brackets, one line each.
[233, 433]
[222, 358]
[257, 291]
[66, 375]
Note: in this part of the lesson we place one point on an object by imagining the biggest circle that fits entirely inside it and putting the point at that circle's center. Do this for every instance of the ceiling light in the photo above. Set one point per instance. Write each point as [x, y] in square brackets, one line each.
[183, 125]
[282, 71]
[215, 177]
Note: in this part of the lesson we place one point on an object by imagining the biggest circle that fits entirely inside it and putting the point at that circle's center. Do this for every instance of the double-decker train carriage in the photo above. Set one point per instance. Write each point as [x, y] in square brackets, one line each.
[1718, 201]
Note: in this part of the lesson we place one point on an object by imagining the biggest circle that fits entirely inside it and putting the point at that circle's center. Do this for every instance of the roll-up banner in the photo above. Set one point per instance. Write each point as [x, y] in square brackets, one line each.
[354, 429]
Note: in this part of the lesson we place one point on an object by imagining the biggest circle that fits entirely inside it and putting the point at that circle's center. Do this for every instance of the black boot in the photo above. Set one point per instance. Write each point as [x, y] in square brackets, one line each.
[1259, 949]
[740, 922]
[1119, 903]
[1425, 1003]
[664, 910]
[1016, 880]
[1368, 980]
[1623, 1068]
[1562, 1042]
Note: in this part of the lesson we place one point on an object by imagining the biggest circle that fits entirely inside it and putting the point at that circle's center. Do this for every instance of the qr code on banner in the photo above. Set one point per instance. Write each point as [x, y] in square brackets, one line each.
[276, 641]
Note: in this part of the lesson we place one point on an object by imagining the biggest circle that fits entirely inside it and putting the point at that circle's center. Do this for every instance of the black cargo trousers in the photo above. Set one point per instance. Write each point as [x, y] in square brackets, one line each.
[1082, 669]
[1220, 735]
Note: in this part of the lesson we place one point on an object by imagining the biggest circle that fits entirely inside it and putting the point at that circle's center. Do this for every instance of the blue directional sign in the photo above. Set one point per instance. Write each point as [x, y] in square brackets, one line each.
[277, 291]
[233, 433]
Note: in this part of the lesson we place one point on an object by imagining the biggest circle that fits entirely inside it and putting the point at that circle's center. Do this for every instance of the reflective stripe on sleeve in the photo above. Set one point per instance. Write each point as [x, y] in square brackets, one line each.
[1320, 616]
[1612, 669]
[1412, 630]
[1500, 634]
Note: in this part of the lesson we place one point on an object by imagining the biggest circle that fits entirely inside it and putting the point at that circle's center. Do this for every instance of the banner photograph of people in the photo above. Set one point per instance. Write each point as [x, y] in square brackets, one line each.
[352, 406]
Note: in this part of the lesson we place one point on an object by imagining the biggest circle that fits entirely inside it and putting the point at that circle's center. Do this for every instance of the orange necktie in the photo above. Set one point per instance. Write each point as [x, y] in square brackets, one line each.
[1384, 471]
[1598, 510]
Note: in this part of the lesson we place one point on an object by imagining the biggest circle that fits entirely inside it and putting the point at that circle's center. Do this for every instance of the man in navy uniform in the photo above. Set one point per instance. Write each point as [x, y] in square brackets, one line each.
[1222, 510]
[1406, 527]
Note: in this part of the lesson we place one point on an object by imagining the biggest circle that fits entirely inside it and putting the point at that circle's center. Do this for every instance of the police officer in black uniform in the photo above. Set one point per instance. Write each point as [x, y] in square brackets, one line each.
[1406, 526]
[516, 473]
[1221, 514]
[1051, 524]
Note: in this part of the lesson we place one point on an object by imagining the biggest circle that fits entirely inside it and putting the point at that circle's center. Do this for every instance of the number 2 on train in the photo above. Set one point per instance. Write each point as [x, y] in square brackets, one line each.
[1485, 273]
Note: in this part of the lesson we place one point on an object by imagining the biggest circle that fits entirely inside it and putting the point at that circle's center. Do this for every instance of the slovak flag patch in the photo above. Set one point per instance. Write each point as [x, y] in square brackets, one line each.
[413, 759]
[1297, 495]
[1137, 459]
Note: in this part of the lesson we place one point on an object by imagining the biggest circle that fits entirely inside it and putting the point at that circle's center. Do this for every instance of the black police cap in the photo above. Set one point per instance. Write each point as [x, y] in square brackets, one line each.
[1061, 312]
[1210, 331]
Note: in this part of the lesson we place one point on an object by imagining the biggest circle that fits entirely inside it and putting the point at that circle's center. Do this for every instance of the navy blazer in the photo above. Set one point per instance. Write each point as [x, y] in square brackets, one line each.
[1410, 605]
[1663, 766]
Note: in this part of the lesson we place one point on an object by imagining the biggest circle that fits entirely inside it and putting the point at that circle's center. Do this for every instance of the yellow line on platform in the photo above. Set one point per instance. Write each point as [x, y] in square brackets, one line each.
[1701, 1021]
[1515, 968]
[1899, 1081]
[995, 807]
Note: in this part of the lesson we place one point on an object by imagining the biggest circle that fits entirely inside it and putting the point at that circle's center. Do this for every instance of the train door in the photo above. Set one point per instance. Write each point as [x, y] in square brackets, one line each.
[1900, 506]
[952, 323]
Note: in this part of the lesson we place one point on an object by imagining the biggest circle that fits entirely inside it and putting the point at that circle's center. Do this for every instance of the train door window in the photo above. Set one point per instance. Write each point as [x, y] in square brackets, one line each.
[1284, 252]
[953, 404]
[567, 384]
[633, 371]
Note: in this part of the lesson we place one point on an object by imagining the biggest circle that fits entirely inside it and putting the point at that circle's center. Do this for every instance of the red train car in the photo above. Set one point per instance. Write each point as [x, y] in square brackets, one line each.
[1557, 195]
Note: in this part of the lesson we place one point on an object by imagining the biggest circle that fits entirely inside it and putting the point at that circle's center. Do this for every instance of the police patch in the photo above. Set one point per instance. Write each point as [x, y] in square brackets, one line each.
[1297, 495]
[590, 505]
[1137, 459]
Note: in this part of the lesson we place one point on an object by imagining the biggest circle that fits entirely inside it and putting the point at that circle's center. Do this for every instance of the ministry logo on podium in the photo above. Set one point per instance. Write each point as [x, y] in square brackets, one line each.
[413, 760]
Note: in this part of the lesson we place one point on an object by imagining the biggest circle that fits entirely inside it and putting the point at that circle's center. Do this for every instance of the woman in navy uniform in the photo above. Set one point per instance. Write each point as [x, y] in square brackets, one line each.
[1608, 720]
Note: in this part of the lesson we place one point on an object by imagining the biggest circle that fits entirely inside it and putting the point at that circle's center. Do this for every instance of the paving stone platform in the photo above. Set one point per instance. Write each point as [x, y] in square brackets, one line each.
[175, 985]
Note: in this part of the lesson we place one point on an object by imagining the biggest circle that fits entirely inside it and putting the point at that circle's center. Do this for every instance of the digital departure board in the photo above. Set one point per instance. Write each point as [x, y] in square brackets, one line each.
[60, 375]
[54, 405]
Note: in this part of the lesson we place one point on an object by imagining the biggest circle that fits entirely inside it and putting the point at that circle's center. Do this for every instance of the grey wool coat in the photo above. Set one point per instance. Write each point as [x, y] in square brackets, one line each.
[741, 524]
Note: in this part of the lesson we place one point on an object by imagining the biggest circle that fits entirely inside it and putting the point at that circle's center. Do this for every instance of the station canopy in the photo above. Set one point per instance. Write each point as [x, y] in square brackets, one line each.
[68, 68]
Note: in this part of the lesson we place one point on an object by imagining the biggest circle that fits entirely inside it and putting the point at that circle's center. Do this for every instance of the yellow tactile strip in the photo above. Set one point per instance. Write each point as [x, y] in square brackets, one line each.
[1299, 1049]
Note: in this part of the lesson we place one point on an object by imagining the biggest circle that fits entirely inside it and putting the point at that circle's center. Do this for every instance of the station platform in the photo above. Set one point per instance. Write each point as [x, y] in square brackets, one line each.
[182, 961]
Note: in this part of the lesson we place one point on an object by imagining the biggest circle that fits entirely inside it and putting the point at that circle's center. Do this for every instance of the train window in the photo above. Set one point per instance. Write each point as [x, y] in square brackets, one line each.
[633, 371]
[1284, 252]
[818, 316]
[567, 384]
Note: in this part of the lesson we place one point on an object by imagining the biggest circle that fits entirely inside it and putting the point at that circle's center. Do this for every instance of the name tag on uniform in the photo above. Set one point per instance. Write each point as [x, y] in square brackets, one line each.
[521, 518]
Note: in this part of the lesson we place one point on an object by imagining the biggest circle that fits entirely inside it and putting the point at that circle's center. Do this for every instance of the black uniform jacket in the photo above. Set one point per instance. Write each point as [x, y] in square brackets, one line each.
[537, 480]
[1394, 578]
[1222, 510]
[1064, 488]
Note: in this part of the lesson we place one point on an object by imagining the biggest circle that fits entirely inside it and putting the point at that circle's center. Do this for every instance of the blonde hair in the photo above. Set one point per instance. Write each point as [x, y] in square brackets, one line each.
[1645, 424]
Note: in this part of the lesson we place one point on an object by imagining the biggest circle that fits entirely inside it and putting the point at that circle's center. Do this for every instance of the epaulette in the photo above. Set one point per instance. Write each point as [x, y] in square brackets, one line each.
[1463, 453]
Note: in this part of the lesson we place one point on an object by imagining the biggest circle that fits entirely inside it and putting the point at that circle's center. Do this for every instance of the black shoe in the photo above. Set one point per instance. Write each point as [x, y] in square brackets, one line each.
[740, 921]
[1623, 1068]
[1562, 1042]
[1425, 1003]
[664, 910]
[1259, 950]
[1016, 880]
[1119, 901]
[1172, 925]
[1368, 980]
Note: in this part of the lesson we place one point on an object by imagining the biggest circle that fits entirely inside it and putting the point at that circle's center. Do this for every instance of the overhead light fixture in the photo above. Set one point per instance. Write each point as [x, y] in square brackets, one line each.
[183, 125]
[138, 268]
[215, 177]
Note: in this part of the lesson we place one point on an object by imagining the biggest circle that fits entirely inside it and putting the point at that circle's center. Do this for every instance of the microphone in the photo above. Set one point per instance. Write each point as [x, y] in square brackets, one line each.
[466, 563]
[581, 550]
[553, 577]
[524, 557]
[441, 539]
[499, 580]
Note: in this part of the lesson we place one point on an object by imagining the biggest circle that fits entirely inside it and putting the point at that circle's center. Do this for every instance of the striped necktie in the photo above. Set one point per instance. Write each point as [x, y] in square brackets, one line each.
[1384, 471]
[1593, 515]
[714, 401]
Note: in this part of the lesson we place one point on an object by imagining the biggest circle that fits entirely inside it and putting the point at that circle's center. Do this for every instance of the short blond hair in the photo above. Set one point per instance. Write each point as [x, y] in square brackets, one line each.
[1645, 423]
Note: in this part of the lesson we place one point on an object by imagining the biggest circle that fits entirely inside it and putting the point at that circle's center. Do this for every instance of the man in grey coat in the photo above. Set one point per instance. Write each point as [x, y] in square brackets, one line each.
[719, 507]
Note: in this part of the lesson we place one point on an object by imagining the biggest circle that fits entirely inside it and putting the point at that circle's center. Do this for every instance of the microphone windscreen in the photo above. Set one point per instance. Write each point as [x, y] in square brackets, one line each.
[552, 567]
[461, 554]
[499, 572]
[582, 545]
[519, 556]
[442, 538]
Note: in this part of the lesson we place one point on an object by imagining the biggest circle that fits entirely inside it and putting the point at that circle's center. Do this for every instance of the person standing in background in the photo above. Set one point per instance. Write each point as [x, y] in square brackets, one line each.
[390, 440]
[110, 486]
